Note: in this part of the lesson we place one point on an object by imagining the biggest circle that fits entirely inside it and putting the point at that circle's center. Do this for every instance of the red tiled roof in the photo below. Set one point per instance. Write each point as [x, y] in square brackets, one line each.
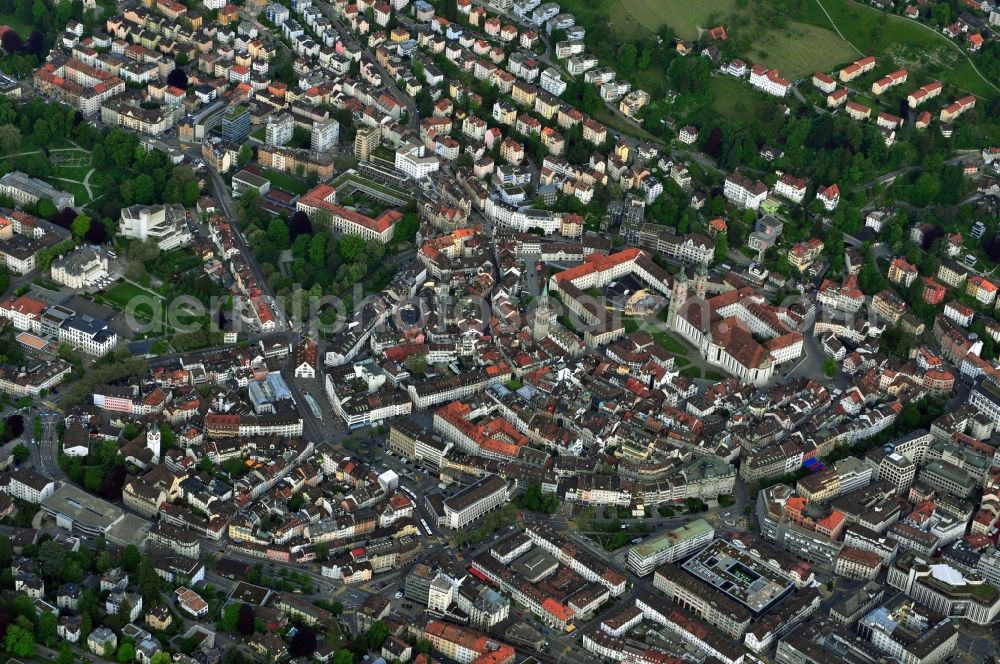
[319, 197]
[598, 263]
[25, 305]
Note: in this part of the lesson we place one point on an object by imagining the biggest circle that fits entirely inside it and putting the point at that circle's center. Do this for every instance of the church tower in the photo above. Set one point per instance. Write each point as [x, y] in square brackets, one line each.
[542, 317]
[153, 441]
[680, 294]
[701, 282]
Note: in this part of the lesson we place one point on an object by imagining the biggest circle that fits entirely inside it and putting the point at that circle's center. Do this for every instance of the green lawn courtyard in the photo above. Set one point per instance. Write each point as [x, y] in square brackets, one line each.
[286, 182]
[122, 293]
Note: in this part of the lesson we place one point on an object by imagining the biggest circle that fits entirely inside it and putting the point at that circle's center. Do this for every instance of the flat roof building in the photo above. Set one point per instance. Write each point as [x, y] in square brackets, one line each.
[74, 509]
[78, 511]
[535, 565]
[740, 575]
[945, 589]
[670, 546]
[27, 190]
[475, 500]
[236, 123]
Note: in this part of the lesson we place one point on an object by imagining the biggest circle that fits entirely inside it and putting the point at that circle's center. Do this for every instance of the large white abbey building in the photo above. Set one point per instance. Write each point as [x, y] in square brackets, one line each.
[725, 328]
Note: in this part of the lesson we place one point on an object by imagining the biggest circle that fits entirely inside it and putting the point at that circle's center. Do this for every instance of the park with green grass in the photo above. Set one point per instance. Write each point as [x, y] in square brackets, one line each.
[796, 47]
[799, 49]
[904, 42]
[72, 171]
[69, 168]
[122, 293]
[638, 19]
[152, 280]
[734, 99]
[797, 37]
[286, 182]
